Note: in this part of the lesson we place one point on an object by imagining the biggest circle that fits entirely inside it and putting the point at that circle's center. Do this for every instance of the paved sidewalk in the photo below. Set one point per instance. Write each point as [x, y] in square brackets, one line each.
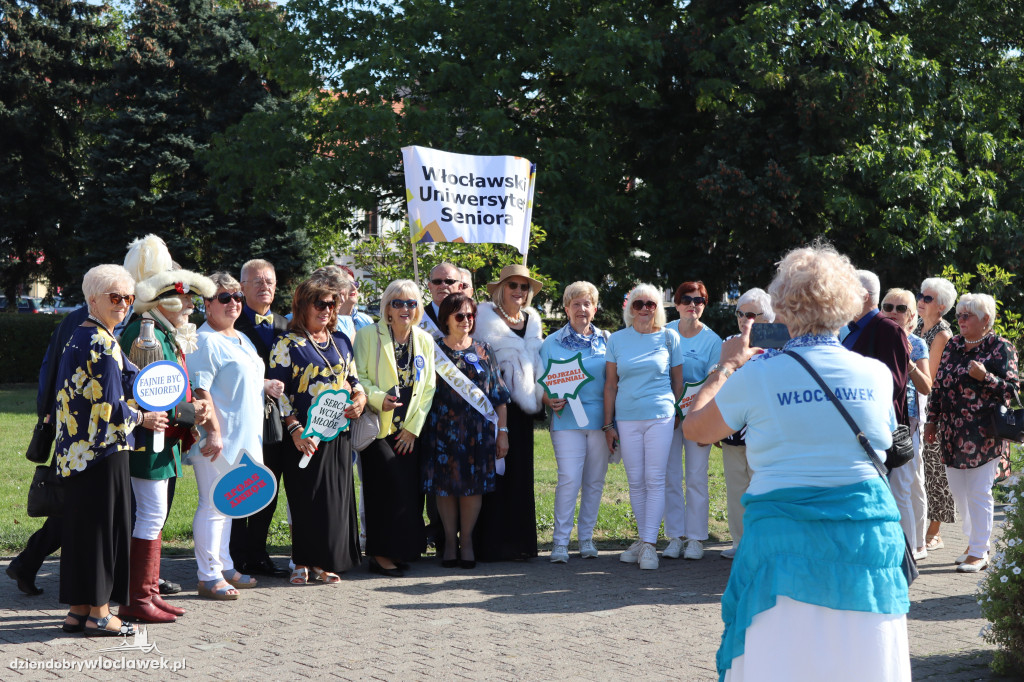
[589, 619]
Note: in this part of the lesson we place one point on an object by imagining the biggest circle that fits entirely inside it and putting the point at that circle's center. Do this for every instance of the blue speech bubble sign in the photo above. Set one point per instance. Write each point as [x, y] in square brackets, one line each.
[160, 386]
[245, 489]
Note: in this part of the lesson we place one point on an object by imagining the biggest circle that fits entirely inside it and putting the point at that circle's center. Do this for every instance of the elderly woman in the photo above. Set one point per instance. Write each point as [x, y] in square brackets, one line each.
[507, 527]
[819, 517]
[935, 299]
[95, 420]
[977, 373]
[643, 381]
[311, 359]
[907, 481]
[226, 370]
[164, 299]
[688, 517]
[395, 359]
[755, 305]
[581, 453]
[466, 430]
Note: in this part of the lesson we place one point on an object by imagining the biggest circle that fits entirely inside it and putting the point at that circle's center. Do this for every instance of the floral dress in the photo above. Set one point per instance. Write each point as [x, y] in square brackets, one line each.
[305, 373]
[962, 406]
[95, 411]
[459, 444]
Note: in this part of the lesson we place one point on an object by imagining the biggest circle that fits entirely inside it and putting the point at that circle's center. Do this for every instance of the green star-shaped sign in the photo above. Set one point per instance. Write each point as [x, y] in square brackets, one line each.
[564, 378]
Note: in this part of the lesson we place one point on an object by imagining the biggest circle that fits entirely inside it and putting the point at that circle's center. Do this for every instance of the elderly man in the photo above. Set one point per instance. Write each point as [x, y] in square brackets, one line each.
[445, 279]
[876, 337]
[249, 535]
[467, 282]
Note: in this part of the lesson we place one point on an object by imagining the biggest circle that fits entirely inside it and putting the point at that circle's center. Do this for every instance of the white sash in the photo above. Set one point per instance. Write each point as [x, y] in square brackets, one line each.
[454, 377]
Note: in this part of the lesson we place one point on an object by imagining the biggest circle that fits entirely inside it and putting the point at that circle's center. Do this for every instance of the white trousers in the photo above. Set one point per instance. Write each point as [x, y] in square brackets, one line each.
[645, 444]
[907, 483]
[687, 516]
[972, 491]
[150, 507]
[211, 530]
[737, 480]
[582, 459]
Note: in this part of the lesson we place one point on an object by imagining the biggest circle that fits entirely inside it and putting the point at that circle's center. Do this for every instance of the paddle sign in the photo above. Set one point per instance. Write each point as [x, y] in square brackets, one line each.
[564, 379]
[326, 418]
[243, 489]
[686, 400]
[158, 388]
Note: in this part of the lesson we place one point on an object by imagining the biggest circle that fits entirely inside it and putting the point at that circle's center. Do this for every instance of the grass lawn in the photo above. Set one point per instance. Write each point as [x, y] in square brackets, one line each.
[615, 523]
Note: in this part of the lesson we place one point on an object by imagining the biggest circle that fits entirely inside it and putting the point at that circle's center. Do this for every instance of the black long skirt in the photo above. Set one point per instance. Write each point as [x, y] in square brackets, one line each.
[507, 527]
[393, 493]
[325, 529]
[97, 533]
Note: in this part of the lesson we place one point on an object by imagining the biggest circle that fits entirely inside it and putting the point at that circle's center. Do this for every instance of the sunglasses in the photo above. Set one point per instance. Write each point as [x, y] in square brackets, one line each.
[888, 307]
[640, 305]
[224, 297]
[926, 299]
[116, 298]
[512, 286]
[438, 282]
[324, 305]
[462, 317]
[695, 300]
[963, 317]
[750, 316]
[398, 303]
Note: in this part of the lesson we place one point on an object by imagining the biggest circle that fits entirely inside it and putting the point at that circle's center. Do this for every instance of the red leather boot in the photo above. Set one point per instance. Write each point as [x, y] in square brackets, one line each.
[142, 582]
[156, 598]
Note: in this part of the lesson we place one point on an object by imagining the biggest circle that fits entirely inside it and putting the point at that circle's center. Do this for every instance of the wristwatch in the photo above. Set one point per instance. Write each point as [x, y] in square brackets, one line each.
[719, 367]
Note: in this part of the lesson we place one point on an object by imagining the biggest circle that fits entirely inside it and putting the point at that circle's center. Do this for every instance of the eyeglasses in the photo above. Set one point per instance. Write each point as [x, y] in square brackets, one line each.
[224, 297]
[324, 305]
[116, 298]
[438, 282]
[398, 304]
[640, 305]
[888, 307]
[750, 316]
[462, 317]
[963, 317]
[512, 286]
[260, 281]
[695, 300]
[926, 299]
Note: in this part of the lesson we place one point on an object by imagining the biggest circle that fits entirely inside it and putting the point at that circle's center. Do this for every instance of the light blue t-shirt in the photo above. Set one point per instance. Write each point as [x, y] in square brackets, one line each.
[918, 351]
[231, 371]
[642, 362]
[591, 393]
[795, 436]
[700, 353]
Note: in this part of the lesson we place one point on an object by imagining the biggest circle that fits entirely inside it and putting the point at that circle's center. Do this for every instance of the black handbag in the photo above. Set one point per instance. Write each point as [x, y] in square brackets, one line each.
[42, 441]
[1008, 422]
[902, 449]
[273, 429]
[46, 494]
[908, 566]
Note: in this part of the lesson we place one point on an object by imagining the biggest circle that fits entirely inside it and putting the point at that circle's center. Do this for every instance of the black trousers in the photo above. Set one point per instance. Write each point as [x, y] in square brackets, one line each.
[249, 535]
[43, 543]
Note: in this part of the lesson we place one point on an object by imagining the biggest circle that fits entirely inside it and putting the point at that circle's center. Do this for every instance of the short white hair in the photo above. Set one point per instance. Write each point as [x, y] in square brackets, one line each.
[982, 305]
[761, 299]
[107, 278]
[945, 292]
[648, 291]
[869, 281]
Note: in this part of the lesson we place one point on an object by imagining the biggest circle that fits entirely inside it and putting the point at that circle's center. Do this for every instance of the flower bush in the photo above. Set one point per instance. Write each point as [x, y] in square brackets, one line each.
[1001, 591]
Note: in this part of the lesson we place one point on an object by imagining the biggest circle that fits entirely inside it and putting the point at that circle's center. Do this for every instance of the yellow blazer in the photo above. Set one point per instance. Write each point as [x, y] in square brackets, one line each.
[378, 380]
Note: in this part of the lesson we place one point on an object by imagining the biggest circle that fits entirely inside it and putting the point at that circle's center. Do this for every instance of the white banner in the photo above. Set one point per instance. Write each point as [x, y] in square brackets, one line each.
[472, 199]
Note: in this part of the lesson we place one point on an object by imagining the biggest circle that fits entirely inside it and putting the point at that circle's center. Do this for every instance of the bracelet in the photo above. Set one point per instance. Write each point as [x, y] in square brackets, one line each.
[608, 427]
[294, 427]
[503, 429]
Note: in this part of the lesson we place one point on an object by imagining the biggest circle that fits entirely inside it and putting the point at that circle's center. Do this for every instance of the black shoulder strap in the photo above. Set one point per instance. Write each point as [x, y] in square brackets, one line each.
[861, 438]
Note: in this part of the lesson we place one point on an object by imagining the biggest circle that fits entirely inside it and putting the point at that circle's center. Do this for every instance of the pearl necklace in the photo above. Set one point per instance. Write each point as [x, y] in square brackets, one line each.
[518, 319]
[978, 340]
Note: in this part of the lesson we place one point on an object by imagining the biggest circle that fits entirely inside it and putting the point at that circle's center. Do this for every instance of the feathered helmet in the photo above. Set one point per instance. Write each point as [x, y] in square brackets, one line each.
[150, 263]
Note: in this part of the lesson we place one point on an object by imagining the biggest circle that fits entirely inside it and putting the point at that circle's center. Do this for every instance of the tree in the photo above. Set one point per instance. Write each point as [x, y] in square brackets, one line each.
[52, 53]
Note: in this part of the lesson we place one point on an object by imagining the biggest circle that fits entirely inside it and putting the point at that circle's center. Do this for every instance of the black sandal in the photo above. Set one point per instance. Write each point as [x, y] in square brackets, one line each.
[101, 630]
[77, 627]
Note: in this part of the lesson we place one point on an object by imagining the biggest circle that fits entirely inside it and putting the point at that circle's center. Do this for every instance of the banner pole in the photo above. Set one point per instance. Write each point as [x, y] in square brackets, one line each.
[415, 261]
[529, 208]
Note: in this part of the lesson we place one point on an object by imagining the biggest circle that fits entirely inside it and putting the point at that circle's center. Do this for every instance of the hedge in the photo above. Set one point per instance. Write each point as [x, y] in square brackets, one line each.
[23, 341]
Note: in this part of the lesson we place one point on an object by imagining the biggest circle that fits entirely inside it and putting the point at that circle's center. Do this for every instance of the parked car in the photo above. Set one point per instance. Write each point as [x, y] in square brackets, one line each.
[62, 305]
[27, 305]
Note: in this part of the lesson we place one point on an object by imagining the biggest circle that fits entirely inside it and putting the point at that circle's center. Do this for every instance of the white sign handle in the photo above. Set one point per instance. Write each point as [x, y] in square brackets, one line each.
[578, 412]
[158, 441]
[304, 462]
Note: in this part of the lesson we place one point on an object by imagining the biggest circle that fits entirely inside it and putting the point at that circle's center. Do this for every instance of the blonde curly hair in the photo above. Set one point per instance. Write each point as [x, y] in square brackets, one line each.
[816, 290]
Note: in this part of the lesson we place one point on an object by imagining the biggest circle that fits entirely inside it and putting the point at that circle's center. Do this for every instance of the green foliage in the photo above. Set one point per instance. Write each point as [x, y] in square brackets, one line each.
[24, 339]
[994, 281]
[1001, 590]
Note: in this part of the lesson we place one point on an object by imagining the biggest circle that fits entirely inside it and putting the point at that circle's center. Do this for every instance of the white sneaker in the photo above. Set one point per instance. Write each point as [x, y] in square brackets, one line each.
[729, 553]
[587, 549]
[632, 555]
[921, 554]
[675, 547]
[560, 554]
[694, 550]
[974, 568]
[648, 557]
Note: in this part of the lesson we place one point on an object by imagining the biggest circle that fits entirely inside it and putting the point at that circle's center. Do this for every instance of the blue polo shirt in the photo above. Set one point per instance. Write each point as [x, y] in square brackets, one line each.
[642, 363]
